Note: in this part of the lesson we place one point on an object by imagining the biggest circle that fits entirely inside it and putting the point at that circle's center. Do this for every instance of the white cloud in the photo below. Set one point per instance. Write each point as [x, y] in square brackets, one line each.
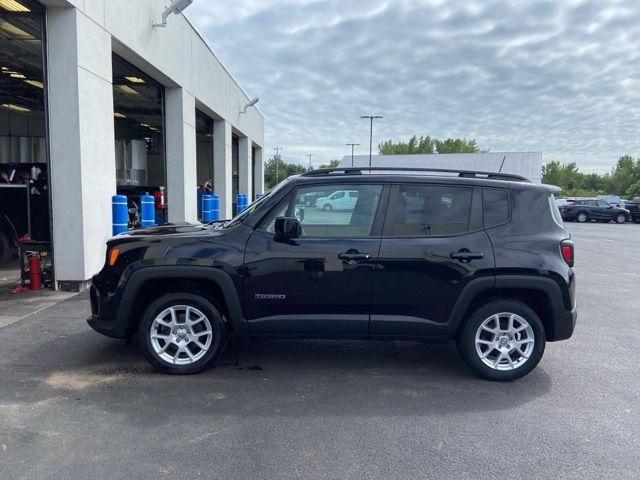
[561, 77]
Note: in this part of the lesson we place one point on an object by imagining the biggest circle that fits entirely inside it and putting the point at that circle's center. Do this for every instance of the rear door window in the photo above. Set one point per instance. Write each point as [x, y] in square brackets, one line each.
[429, 210]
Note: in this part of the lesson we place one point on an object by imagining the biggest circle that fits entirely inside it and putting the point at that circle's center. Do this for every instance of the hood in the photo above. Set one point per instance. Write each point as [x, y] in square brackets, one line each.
[176, 229]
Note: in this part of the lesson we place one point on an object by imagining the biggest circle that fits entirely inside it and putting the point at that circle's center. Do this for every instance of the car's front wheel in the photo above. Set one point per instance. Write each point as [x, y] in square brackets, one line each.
[502, 340]
[621, 218]
[327, 207]
[182, 333]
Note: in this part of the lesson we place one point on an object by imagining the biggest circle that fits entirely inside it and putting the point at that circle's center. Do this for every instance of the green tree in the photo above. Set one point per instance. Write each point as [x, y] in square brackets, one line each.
[273, 175]
[427, 144]
[414, 145]
[625, 174]
[566, 176]
[633, 190]
[457, 145]
[331, 164]
[594, 182]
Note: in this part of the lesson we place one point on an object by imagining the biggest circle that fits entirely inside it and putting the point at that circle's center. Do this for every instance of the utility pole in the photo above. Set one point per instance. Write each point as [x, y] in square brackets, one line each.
[277, 159]
[371, 117]
[352, 148]
[310, 155]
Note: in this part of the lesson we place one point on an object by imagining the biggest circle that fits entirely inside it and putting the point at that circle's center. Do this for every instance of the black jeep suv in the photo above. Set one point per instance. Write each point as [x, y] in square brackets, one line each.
[481, 258]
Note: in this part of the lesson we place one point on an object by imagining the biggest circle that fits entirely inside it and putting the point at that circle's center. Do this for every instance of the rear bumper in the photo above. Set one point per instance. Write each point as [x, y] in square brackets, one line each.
[564, 323]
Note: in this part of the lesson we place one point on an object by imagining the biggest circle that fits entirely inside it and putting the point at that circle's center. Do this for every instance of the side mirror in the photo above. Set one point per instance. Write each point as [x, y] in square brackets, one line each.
[287, 228]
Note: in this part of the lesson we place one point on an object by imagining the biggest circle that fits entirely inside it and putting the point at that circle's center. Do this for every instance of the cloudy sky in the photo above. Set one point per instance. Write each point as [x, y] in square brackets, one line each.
[559, 76]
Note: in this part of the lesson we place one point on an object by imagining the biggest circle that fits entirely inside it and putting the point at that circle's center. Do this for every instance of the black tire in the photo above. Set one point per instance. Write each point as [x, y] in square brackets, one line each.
[206, 307]
[6, 248]
[466, 340]
[582, 217]
[621, 218]
[327, 207]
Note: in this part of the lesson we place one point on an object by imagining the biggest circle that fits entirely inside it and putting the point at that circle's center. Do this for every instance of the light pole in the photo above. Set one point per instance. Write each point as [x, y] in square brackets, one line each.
[371, 117]
[277, 159]
[352, 148]
[310, 155]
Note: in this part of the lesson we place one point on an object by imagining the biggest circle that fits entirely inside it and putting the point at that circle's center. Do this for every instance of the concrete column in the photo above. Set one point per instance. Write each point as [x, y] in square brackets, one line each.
[258, 179]
[82, 151]
[182, 181]
[245, 167]
[222, 167]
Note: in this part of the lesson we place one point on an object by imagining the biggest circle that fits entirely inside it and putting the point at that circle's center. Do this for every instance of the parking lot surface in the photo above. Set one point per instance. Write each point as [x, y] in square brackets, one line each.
[76, 405]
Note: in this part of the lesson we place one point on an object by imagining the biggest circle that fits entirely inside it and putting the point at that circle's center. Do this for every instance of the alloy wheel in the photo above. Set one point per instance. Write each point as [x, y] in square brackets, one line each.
[181, 335]
[504, 341]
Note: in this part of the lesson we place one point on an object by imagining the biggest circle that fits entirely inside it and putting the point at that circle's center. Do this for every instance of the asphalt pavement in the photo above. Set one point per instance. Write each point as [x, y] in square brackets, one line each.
[77, 405]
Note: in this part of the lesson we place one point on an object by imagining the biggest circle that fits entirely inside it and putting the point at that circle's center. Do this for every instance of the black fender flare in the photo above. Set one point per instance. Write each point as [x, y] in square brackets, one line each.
[560, 311]
[222, 279]
[467, 296]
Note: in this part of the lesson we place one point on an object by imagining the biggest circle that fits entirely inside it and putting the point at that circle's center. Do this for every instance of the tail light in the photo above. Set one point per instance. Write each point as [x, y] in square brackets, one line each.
[158, 195]
[566, 248]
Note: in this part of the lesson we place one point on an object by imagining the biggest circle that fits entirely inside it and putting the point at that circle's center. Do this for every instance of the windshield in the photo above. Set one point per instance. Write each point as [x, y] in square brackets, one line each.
[255, 206]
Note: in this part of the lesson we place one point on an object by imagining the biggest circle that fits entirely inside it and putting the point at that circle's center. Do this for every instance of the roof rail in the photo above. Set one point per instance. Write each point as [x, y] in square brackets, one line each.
[461, 173]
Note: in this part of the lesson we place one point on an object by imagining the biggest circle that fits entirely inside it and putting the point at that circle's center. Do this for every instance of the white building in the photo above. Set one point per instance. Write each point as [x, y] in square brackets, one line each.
[93, 91]
[525, 164]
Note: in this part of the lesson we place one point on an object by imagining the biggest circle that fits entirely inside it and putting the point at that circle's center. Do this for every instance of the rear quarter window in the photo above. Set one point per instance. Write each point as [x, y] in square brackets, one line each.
[495, 205]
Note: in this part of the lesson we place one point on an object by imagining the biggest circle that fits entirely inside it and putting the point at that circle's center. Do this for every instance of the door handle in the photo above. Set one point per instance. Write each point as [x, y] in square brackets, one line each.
[353, 258]
[465, 256]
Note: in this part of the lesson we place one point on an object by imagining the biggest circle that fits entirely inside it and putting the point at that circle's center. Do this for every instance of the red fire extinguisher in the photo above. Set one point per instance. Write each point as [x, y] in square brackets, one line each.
[35, 277]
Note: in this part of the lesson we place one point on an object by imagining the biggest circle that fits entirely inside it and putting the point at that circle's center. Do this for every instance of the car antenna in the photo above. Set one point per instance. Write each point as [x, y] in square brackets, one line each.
[502, 164]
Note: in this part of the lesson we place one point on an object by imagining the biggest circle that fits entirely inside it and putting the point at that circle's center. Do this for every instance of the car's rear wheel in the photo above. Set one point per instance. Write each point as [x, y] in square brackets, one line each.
[182, 333]
[582, 217]
[327, 207]
[502, 340]
[621, 218]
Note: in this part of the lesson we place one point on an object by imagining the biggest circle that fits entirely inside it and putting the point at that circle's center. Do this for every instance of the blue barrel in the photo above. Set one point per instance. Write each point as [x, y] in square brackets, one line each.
[119, 214]
[215, 207]
[242, 201]
[206, 208]
[147, 210]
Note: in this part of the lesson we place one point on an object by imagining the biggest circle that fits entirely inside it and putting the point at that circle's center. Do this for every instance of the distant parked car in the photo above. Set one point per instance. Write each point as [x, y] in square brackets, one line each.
[633, 206]
[613, 200]
[587, 209]
[311, 198]
[563, 201]
[340, 200]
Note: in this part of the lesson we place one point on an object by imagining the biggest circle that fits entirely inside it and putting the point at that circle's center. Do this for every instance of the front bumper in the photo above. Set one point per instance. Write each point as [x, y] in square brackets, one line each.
[103, 317]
